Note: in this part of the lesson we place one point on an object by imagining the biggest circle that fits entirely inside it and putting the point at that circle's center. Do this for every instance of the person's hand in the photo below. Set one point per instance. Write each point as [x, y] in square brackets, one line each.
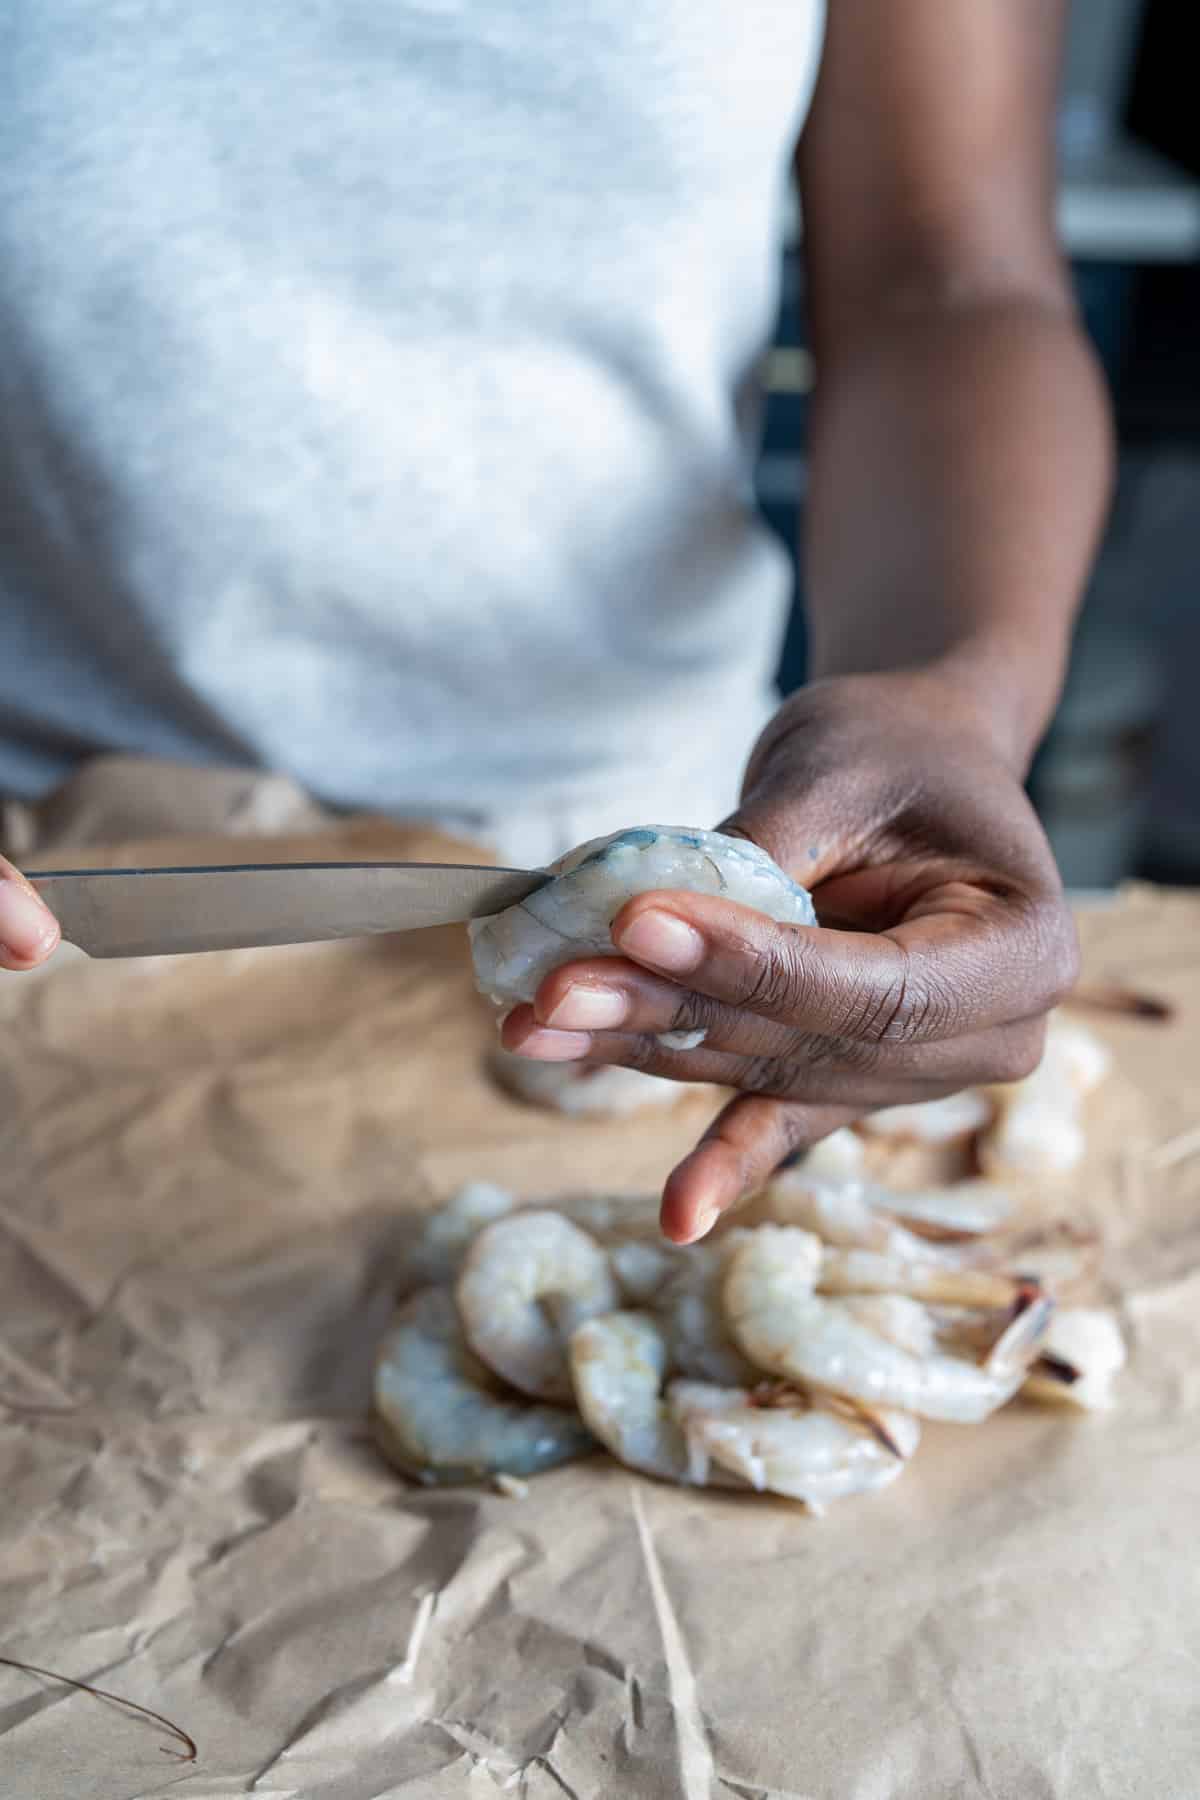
[944, 939]
[28, 929]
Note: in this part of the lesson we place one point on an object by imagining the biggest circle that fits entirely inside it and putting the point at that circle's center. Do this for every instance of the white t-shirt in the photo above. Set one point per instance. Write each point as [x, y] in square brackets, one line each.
[378, 396]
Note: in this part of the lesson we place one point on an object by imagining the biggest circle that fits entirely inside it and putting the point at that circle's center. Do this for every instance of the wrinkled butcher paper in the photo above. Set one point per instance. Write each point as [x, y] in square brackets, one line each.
[209, 1166]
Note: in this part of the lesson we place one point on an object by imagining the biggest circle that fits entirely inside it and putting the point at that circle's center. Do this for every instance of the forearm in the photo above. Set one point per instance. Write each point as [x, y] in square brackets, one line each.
[961, 465]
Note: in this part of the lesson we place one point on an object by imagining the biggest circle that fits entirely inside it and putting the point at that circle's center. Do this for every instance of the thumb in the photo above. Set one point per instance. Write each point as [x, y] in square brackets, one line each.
[798, 827]
[28, 929]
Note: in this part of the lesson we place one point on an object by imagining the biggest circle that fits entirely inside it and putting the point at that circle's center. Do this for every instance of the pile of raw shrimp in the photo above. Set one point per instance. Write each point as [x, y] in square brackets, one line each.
[795, 1352]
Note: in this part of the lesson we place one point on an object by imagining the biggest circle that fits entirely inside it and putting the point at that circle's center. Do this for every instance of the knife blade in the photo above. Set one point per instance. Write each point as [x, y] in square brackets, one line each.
[167, 912]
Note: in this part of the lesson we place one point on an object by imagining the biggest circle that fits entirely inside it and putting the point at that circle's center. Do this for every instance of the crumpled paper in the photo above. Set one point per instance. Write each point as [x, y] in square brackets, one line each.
[208, 1169]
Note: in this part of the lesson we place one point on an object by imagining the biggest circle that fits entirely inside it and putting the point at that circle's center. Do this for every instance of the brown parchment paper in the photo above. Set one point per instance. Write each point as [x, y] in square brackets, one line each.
[207, 1166]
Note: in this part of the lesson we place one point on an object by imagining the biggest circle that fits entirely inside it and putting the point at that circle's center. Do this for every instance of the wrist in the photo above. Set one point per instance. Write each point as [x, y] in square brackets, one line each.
[1000, 692]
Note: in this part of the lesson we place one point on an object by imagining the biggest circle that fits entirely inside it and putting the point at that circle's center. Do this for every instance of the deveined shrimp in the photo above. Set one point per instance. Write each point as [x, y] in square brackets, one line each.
[784, 1326]
[528, 1280]
[780, 1440]
[441, 1416]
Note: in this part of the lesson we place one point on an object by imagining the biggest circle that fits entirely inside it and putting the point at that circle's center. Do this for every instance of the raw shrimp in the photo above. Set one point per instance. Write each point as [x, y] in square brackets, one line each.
[964, 1210]
[838, 1212]
[626, 1224]
[570, 917]
[782, 1442]
[864, 1215]
[607, 1092]
[618, 1365]
[643, 1270]
[439, 1415]
[1079, 1359]
[612, 1218]
[786, 1328]
[526, 1284]
[896, 1317]
[869, 1272]
[689, 1309]
[932, 1121]
[1039, 1128]
[838, 1157]
[445, 1234]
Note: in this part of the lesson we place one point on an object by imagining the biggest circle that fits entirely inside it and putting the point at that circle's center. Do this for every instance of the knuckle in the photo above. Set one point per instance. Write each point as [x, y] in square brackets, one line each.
[934, 1009]
[839, 1055]
[692, 1012]
[643, 1053]
[1018, 1053]
[769, 985]
[884, 1017]
[911, 1007]
[859, 1056]
[766, 1075]
[1055, 949]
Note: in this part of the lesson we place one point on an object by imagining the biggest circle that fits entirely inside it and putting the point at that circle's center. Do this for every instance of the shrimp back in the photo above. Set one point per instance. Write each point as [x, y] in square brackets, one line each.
[438, 1414]
[571, 915]
[527, 1282]
[619, 1363]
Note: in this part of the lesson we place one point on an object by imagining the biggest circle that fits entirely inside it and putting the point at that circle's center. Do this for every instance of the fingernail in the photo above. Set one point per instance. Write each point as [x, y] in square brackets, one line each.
[663, 941]
[706, 1218]
[589, 1009]
[555, 1046]
[27, 929]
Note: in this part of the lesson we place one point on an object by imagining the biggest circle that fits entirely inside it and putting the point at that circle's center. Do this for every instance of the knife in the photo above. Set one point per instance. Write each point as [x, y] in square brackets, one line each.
[165, 912]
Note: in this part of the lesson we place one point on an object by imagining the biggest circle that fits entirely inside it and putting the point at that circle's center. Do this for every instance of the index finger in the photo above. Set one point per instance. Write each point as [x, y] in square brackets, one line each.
[965, 965]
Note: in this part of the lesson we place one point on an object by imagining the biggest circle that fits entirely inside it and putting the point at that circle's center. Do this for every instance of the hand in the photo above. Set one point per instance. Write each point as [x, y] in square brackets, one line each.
[28, 929]
[944, 939]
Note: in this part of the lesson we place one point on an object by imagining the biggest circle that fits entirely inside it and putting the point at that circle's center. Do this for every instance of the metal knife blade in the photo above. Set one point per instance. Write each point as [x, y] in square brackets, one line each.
[165, 912]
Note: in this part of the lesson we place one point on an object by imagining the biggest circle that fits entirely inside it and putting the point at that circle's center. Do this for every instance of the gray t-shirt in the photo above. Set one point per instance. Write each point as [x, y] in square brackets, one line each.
[377, 396]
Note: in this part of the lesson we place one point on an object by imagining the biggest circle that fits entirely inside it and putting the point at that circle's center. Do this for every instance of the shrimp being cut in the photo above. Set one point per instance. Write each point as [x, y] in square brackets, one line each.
[571, 915]
[527, 1282]
[780, 1440]
[439, 1415]
[785, 1327]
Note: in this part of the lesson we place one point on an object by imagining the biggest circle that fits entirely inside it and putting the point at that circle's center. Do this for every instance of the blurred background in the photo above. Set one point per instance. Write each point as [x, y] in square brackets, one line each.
[1118, 780]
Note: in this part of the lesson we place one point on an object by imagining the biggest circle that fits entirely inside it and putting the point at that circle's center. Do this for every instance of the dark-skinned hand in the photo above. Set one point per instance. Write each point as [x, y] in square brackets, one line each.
[944, 940]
